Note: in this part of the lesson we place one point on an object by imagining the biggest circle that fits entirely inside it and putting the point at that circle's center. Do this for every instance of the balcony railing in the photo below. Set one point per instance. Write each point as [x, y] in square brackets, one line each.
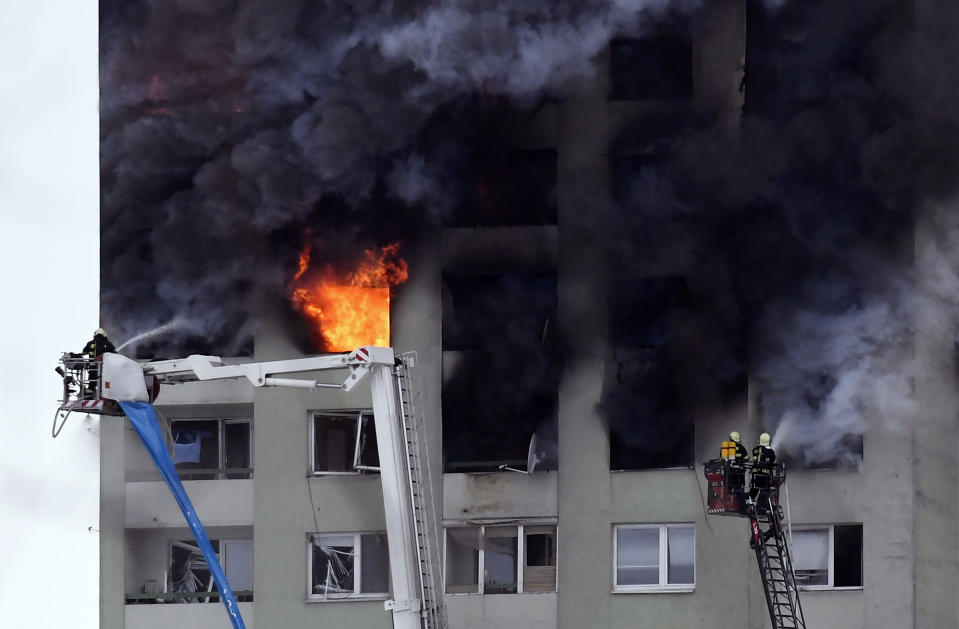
[217, 473]
[242, 596]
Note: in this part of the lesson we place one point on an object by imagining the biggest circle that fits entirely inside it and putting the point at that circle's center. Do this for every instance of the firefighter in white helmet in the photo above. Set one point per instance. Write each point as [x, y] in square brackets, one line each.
[764, 458]
[97, 347]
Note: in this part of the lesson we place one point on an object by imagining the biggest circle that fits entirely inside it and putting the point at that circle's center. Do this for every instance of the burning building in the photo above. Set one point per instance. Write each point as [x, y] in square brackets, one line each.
[616, 230]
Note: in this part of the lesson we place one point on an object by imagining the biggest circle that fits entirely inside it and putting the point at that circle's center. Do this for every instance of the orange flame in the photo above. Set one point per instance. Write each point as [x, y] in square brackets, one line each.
[353, 311]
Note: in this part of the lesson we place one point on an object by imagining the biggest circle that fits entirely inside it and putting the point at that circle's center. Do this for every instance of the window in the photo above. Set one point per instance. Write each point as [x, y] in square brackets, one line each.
[344, 443]
[191, 573]
[657, 66]
[654, 557]
[650, 426]
[206, 449]
[827, 556]
[507, 189]
[348, 565]
[492, 403]
[486, 559]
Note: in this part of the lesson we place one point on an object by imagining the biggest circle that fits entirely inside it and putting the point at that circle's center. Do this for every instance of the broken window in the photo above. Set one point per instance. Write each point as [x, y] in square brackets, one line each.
[190, 572]
[653, 557]
[206, 449]
[656, 66]
[649, 426]
[828, 556]
[486, 559]
[348, 565]
[494, 401]
[508, 189]
[344, 443]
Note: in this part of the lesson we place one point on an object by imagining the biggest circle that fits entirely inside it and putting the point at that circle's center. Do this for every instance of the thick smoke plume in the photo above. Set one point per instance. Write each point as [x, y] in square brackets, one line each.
[231, 127]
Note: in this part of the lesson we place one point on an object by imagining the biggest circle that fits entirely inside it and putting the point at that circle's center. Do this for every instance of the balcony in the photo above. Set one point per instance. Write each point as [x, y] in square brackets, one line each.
[227, 502]
[162, 616]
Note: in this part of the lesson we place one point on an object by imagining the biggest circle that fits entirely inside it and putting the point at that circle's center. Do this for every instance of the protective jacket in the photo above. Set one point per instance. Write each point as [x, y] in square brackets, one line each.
[100, 344]
[764, 458]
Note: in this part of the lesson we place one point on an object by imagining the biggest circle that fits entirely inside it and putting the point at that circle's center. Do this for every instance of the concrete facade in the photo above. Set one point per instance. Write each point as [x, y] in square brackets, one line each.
[905, 502]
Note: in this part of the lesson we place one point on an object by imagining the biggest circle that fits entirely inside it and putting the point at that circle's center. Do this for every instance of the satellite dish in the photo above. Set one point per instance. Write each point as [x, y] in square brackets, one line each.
[534, 456]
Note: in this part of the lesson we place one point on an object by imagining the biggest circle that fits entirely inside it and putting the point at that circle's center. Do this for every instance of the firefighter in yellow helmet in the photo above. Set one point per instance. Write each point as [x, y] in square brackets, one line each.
[737, 462]
[764, 458]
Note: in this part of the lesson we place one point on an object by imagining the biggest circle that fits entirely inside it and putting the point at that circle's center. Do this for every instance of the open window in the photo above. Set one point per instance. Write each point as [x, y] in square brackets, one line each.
[500, 559]
[344, 443]
[348, 565]
[827, 557]
[654, 557]
[207, 449]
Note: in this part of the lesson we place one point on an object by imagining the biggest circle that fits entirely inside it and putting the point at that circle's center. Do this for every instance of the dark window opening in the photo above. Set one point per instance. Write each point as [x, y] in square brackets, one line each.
[657, 66]
[508, 189]
[847, 555]
[642, 399]
[501, 369]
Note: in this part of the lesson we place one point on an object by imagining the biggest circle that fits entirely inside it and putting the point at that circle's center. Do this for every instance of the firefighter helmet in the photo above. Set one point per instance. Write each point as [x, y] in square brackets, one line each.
[99, 332]
[734, 436]
[764, 439]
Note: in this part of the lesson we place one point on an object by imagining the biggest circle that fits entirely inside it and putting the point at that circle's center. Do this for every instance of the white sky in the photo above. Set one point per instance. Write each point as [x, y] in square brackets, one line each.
[49, 242]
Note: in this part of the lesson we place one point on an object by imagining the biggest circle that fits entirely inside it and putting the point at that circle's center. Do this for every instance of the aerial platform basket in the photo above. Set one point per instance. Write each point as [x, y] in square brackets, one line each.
[728, 487]
[92, 385]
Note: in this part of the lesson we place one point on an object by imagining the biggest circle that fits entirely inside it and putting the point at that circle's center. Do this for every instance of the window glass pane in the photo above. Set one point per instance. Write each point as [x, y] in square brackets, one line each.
[811, 556]
[500, 544]
[462, 560]
[847, 555]
[375, 566]
[196, 445]
[333, 564]
[679, 548]
[368, 452]
[334, 442]
[238, 563]
[539, 572]
[236, 449]
[637, 556]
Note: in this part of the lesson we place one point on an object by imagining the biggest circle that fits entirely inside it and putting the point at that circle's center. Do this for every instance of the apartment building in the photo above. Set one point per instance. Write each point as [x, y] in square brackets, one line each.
[606, 531]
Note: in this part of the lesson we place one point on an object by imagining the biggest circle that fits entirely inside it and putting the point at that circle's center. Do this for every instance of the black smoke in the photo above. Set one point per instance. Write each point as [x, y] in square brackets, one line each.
[231, 129]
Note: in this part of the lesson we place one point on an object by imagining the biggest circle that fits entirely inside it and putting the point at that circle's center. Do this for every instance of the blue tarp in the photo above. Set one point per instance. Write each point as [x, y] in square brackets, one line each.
[144, 420]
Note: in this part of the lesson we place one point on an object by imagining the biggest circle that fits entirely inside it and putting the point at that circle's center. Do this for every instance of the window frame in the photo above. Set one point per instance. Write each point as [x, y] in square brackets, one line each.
[520, 557]
[221, 423]
[830, 558]
[357, 467]
[357, 595]
[664, 586]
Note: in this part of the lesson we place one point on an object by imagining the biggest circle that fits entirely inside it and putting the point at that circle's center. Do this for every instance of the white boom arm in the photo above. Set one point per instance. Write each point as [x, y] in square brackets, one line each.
[121, 374]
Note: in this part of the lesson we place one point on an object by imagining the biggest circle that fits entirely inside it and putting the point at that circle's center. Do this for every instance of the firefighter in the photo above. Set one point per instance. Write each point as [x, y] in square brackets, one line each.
[737, 462]
[97, 346]
[764, 458]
